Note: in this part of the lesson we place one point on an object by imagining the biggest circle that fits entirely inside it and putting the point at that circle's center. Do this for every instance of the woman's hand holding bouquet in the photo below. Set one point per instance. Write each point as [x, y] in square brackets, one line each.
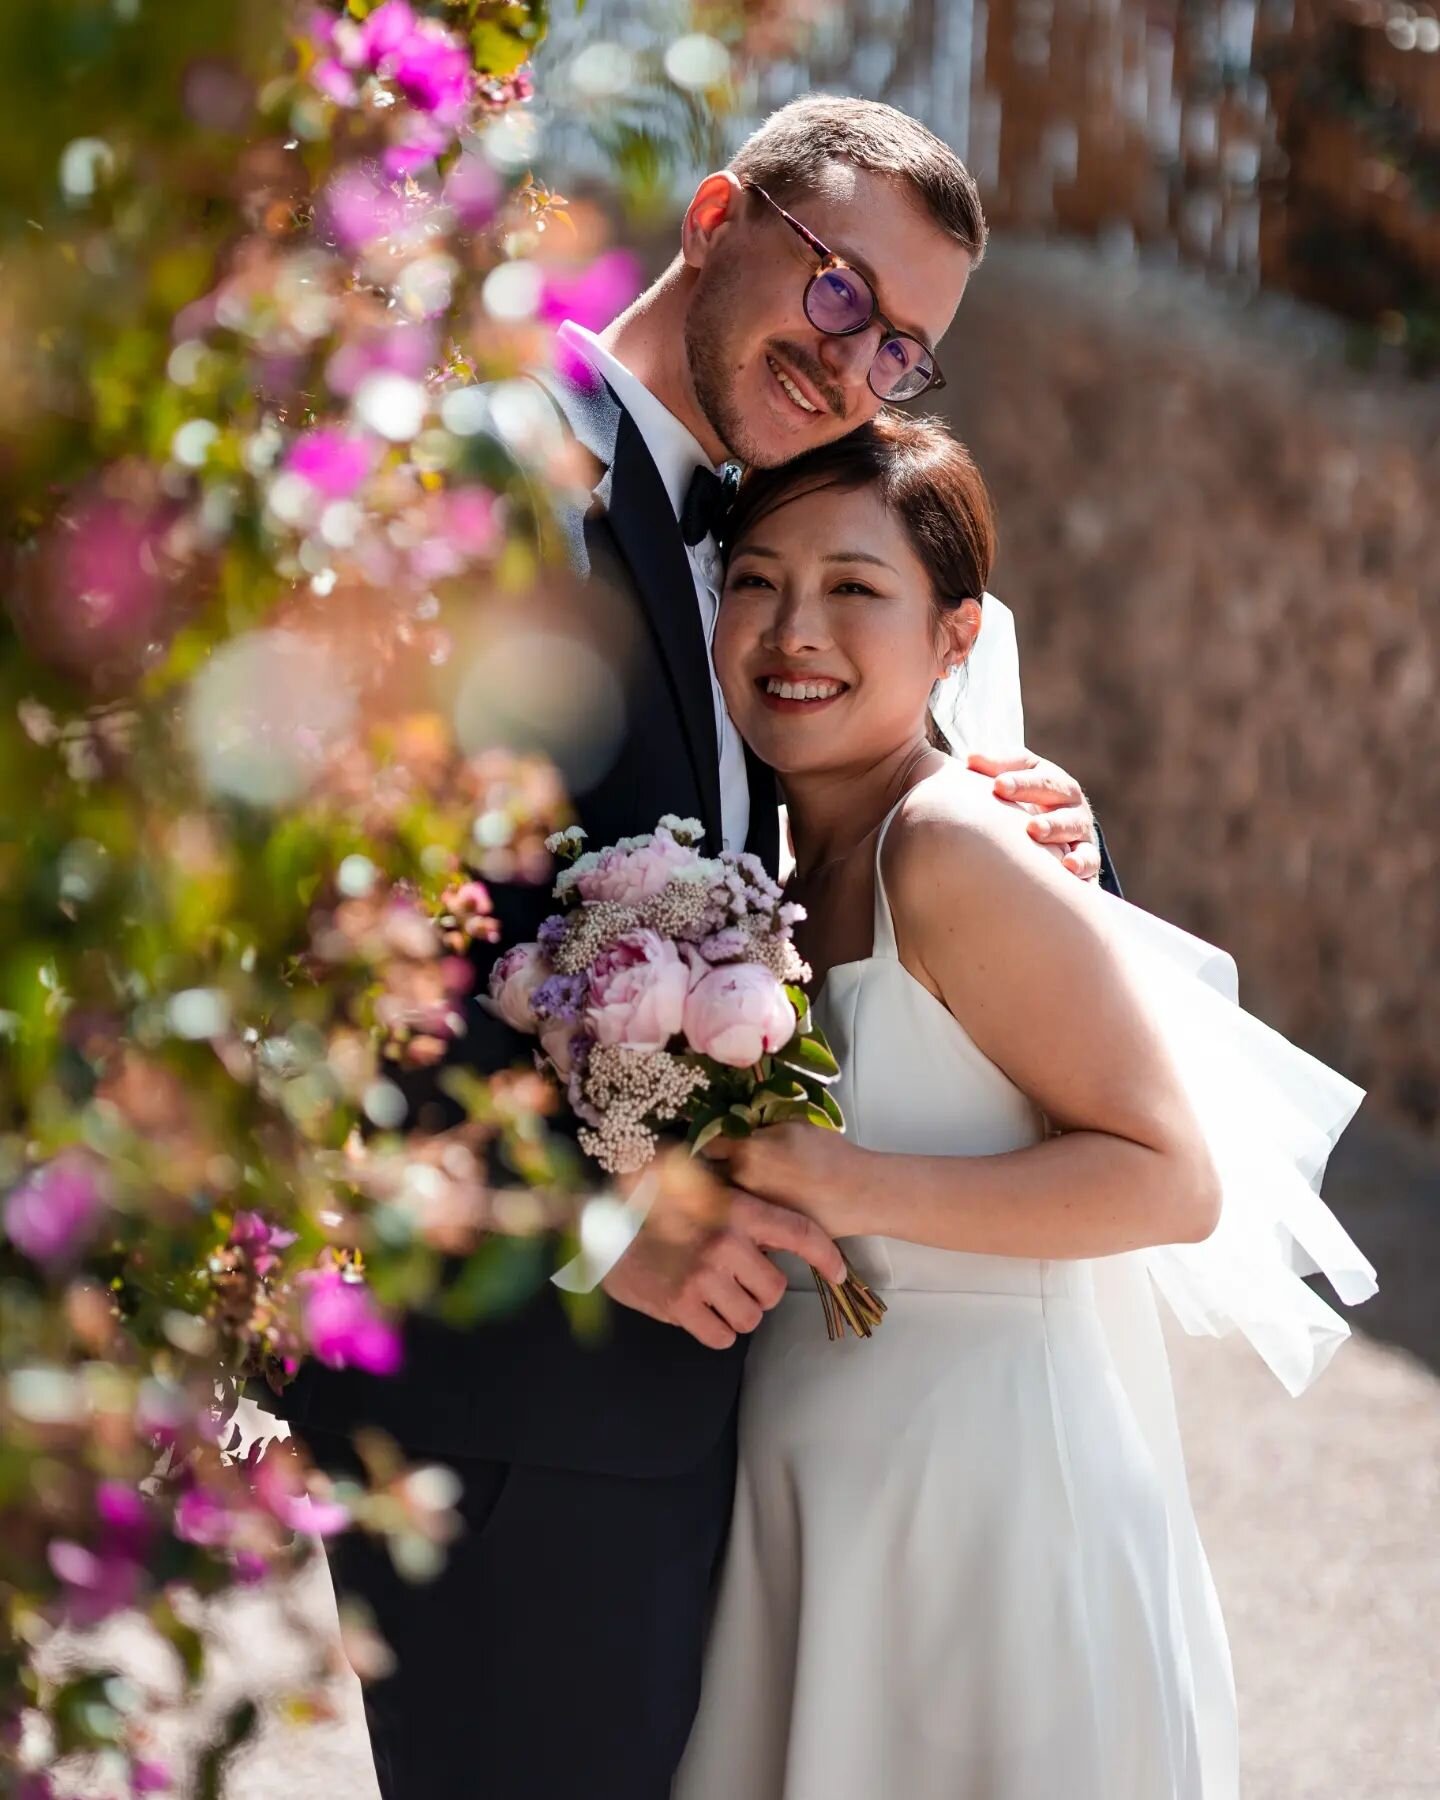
[667, 991]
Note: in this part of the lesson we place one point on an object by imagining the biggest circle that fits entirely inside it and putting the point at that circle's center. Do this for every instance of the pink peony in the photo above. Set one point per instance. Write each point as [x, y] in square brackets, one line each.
[631, 876]
[53, 1214]
[738, 1014]
[637, 992]
[345, 1329]
[513, 982]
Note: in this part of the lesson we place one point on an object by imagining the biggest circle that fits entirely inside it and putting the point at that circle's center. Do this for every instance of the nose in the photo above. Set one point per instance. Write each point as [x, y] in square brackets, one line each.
[799, 625]
[848, 359]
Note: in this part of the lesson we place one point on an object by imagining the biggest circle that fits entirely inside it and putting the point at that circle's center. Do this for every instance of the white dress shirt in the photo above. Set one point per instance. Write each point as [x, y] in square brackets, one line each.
[677, 455]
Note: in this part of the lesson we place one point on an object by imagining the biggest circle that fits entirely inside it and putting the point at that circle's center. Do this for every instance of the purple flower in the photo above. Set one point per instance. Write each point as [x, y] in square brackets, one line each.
[150, 1777]
[420, 141]
[345, 1328]
[552, 933]
[561, 1000]
[725, 945]
[55, 1212]
[333, 462]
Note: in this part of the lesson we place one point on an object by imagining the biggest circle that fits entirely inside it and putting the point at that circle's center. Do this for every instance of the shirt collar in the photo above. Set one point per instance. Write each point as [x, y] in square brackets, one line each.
[673, 448]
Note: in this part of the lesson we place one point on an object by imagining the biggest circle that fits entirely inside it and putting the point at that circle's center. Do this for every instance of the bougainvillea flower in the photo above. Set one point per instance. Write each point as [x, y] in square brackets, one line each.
[344, 1327]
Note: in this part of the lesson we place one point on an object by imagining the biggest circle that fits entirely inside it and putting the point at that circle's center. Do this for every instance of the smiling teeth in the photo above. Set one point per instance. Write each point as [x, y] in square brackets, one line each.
[789, 386]
[804, 690]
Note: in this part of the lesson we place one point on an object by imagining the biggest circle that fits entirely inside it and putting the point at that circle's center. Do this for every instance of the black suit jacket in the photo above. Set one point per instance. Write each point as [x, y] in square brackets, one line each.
[647, 1399]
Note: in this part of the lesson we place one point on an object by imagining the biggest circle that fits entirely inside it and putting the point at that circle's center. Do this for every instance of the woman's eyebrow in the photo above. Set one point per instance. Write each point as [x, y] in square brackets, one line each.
[860, 556]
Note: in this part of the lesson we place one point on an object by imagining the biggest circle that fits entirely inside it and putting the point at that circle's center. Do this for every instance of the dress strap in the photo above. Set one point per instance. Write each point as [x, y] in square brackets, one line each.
[885, 944]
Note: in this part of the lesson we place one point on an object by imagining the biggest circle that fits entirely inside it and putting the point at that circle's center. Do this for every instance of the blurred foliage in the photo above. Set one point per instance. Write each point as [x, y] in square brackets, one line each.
[276, 506]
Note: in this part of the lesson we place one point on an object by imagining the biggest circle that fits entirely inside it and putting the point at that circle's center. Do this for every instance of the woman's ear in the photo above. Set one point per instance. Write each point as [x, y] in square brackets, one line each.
[717, 203]
[959, 629]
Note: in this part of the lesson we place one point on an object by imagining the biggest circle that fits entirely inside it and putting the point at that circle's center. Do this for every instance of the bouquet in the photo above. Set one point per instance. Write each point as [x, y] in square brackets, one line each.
[667, 990]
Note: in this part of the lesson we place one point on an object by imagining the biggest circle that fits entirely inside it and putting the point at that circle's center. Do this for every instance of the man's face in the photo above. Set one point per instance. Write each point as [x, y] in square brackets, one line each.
[770, 384]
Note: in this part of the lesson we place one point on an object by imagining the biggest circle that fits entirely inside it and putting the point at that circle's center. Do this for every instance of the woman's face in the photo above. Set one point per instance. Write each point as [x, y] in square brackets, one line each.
[827, 645]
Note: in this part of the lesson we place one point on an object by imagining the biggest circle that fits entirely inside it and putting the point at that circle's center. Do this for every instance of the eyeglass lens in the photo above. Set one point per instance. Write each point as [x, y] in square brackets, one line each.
[840, 302]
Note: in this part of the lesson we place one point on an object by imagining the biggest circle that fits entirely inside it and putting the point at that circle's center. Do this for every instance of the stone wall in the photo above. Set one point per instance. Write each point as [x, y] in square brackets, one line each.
[1223, 550]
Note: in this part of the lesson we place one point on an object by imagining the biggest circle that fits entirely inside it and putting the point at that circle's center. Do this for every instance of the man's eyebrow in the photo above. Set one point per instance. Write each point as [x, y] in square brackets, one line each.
[861, 267]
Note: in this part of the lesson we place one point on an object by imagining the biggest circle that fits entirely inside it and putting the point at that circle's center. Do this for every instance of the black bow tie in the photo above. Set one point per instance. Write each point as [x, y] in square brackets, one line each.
[708, 500]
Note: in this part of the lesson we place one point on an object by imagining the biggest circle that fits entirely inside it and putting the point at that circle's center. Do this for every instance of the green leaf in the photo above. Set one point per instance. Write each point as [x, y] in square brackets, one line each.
[707, 1134]
[813, 1056]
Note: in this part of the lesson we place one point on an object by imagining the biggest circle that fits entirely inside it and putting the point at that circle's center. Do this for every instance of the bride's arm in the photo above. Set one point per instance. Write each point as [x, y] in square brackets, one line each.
[1016, 949]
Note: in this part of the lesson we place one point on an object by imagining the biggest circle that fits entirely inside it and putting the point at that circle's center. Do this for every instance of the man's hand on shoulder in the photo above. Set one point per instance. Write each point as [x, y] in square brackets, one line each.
[718, 1282]
[1063, 822]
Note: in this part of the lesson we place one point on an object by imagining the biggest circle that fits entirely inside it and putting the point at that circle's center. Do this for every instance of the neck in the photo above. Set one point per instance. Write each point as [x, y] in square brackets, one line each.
[649, 338]
[834, 810]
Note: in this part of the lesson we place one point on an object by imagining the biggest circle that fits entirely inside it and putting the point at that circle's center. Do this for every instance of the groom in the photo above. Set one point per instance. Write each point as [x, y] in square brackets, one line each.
[559, 1653]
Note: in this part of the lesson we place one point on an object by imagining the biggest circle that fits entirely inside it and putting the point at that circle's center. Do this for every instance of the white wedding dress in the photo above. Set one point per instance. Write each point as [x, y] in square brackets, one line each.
[963, 1563]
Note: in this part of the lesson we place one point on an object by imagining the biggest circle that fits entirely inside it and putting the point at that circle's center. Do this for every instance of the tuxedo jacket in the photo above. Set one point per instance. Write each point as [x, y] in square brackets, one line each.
[645, 1399]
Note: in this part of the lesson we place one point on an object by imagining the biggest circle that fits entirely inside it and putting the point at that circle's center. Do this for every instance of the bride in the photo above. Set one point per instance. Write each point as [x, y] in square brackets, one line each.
[963, 1564]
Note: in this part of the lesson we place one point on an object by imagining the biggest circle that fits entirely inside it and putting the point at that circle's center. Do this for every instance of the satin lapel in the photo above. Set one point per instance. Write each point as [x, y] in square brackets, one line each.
[644, 524]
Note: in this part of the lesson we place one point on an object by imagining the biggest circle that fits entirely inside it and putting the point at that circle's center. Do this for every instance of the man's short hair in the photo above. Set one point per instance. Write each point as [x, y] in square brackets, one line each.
[789, 153]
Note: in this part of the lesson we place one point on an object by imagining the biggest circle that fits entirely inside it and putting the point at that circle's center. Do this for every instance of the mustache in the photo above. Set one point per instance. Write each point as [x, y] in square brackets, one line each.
[823, 384]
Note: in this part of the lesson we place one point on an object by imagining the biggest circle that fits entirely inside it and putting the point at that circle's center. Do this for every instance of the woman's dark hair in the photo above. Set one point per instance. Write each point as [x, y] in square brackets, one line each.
[925, 476]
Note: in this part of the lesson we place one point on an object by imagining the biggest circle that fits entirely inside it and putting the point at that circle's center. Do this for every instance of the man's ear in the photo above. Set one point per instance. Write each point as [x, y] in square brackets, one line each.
[958, 631]
[718, 202]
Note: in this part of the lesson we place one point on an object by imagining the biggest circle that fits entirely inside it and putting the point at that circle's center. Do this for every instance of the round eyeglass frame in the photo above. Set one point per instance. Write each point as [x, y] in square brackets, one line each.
[830, 261]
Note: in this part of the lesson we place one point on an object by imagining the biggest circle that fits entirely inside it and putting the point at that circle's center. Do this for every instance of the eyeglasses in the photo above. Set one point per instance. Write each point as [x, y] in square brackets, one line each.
[839, 301]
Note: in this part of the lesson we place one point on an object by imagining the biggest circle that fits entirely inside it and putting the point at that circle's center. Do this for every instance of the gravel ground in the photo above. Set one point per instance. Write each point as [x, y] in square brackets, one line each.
[1321, 1517]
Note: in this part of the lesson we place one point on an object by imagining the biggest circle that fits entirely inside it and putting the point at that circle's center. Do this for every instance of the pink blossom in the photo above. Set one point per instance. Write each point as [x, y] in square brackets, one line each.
[344, 1326]
[513, 982]
[127, 1522]
[262, 1239]
[637, 992]
[280, 1488]
[401, 350]
[386, 31]
[360, 208]
[95, 1586]
[202, 1517]
[737, 1014]
[432, 69]
[150, 1777]
[473, 191]
[592, 297]
[461, 527]
[631, 876]
[54, 1213]
[334, 81]
[420, 141]
[333, 462]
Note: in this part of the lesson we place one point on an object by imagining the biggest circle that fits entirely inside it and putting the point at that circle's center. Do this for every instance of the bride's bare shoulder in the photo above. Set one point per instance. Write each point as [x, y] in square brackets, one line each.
[954, 841]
